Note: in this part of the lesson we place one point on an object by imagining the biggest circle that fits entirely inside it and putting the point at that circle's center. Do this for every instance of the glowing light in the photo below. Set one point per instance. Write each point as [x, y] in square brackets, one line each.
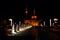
[34, 17]
[55, 19]
[50, 22]
[28, 27]
[17, 28]
[26, 12]
[44, 23]
[11, 21]
[9, 29]
[21, 29]
[13, 29]
[41, 25]
[34, 24]
[25, 28]
[19, 23]
[55, 22]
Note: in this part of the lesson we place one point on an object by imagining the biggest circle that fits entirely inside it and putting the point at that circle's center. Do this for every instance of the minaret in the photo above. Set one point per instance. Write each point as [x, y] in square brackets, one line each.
[34, 16]
[34, 11]
[26, 10]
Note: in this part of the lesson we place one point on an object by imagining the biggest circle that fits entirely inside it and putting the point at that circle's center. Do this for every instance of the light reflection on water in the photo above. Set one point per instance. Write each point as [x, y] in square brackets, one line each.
[21, 29]
[8, 31]
[45, 35]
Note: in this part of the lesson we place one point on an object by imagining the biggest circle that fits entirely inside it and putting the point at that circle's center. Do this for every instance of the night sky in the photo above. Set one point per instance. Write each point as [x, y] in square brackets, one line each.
[16, 9]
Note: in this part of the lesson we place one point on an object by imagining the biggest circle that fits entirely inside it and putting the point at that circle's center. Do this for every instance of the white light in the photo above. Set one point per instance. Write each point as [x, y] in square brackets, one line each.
[41, 25]
[50, 22]
[17, 27]
[26, 12]
[44, 23]
[19, 23]
[13, 30]
[55, 19]
[21, 29]
[28, 27]
[24, 28]
[11, 21]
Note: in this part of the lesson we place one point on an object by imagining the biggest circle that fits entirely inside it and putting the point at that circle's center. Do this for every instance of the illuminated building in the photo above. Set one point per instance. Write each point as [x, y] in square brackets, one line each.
[33, 21]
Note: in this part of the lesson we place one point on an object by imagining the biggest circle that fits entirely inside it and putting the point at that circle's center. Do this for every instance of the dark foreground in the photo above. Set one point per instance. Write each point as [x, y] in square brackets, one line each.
[35, 34]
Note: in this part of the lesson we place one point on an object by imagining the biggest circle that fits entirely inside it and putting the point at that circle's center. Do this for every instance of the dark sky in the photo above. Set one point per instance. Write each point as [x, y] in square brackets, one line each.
[15, 9]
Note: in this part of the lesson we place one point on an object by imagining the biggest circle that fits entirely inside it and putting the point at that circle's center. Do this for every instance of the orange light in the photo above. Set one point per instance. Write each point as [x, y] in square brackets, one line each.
[34, 24]
[34, 17]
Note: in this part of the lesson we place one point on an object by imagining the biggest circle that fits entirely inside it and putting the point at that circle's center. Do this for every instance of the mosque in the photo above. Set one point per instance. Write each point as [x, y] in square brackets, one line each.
[33, 21]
